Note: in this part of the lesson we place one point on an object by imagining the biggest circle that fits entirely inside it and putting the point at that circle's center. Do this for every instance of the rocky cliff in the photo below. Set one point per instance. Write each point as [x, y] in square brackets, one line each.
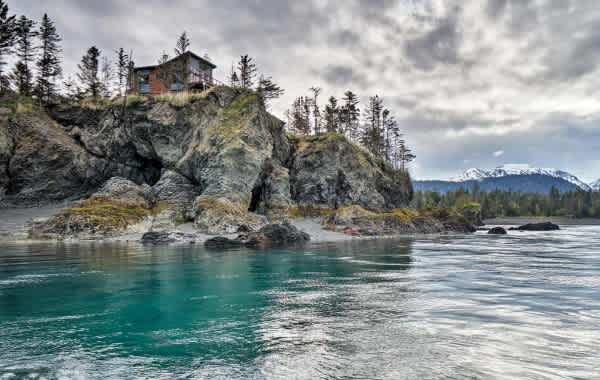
[220, 161]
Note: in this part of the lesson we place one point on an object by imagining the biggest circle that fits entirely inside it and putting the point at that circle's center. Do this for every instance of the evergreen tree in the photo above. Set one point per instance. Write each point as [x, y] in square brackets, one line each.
[49, 61]
[22, 74]
[316, 91]
[21, 78]
[121, 68]
[179, 67]
[88, 71]
[247, 70]
[332, 115]
[234, 80]
[106, 77]
[299, 121]
[7, 38]
[405, 155]
[351, 115]
[372, 137]
[268, 90]
[182, 45]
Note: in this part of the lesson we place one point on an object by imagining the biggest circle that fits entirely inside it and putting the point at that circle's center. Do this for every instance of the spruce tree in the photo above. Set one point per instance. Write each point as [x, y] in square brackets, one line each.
[247, 70]
[22, 75]
[332, 115]
[351, 115]
[182, 45]
[121, 67]
[316, 110]
[88, 71]
[49, 61]
[179, 66]
[372, 137]
[7, 38]
[234, 80]
[268, 90]
[106, 78]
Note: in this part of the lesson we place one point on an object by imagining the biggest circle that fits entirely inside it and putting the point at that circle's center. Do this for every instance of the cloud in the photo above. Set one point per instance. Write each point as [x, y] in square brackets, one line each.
[463, 77]
[498, 153]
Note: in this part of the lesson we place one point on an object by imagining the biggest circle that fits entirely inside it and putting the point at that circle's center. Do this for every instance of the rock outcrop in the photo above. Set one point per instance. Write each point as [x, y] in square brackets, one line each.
[330, 172]
[218, 161]
[355, 220]
[119, 206]
[271, 235]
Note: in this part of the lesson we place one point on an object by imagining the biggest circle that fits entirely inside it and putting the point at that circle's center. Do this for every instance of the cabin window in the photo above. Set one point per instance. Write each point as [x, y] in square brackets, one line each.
[144, 82]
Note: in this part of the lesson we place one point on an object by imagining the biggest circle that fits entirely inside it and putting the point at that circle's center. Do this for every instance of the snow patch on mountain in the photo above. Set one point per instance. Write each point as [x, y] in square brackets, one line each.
[595, 185]
[520, 169]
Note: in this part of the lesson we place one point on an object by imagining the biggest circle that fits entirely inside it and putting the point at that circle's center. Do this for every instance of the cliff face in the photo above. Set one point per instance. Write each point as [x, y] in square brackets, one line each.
[221, 160]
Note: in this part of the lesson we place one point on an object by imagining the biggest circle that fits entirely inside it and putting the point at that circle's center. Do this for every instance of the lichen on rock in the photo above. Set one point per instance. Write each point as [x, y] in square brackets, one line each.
[355, 220]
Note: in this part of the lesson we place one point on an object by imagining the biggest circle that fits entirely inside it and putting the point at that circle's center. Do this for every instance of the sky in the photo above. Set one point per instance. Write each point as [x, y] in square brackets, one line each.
[473, 83]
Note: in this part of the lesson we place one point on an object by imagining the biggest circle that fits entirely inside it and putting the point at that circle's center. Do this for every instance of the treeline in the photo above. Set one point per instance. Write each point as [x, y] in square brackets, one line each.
[376, 129]
[37, 51]
[499, 203]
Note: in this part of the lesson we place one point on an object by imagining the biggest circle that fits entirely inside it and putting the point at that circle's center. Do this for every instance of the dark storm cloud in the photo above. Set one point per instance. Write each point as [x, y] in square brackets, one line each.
[438, 46]
[467, 78]
[344, 76]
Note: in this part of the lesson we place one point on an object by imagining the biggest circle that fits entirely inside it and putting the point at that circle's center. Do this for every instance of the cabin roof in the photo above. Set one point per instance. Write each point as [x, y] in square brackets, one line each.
[203, 60]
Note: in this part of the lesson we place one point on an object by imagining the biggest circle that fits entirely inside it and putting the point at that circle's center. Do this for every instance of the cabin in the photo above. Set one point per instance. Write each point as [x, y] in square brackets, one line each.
[148, 80]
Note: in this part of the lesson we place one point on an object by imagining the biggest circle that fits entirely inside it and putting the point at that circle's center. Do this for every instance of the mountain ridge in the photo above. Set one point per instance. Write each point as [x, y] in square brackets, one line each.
[514, 177]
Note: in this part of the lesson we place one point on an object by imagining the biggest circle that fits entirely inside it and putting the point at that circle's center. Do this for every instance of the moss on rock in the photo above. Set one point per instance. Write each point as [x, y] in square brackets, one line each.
[356, 220]
[98, 214]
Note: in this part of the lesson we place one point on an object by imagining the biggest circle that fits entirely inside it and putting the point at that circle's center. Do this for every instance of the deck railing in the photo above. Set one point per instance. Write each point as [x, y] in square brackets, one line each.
[199, 77]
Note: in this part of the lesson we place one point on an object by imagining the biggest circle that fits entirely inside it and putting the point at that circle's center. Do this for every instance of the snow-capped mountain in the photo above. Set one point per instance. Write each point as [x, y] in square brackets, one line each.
[520, 170]
[509, 177]
[595, 185]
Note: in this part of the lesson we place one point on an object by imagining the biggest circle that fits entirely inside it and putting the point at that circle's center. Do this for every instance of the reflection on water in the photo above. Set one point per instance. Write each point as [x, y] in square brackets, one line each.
[519, 306]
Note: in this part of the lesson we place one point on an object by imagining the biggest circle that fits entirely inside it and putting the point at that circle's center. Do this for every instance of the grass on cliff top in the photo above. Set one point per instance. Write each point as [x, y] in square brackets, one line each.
[109, 214]
[318, 142]
[177, 99]
[238, 114]
[18, 104]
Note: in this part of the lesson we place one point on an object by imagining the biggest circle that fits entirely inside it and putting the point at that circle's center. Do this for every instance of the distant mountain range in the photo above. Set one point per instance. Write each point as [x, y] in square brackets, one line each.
[510, 177]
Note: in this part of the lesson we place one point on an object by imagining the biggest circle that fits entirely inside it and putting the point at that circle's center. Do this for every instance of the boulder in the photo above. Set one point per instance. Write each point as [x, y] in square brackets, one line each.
[271, 235]
[497, 231]
[117, 206]
[546, 226]
[276, 234]
[218, 216]
[125, 190]
[157, 238]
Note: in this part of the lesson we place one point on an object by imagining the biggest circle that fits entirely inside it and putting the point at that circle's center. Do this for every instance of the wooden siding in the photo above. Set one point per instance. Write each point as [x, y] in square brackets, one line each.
[199, 73]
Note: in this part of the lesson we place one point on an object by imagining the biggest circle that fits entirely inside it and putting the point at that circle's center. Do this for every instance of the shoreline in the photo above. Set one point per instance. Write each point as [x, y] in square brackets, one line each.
[14, 220]
[560, 220]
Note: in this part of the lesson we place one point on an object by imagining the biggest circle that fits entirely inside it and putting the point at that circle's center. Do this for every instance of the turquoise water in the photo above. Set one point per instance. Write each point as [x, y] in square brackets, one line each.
[524, 306]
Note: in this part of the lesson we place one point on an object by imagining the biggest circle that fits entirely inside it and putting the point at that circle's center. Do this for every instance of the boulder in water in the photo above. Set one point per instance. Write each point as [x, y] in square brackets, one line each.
[270, 235]
[157, 238]
[497, 231]
[546, 226]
